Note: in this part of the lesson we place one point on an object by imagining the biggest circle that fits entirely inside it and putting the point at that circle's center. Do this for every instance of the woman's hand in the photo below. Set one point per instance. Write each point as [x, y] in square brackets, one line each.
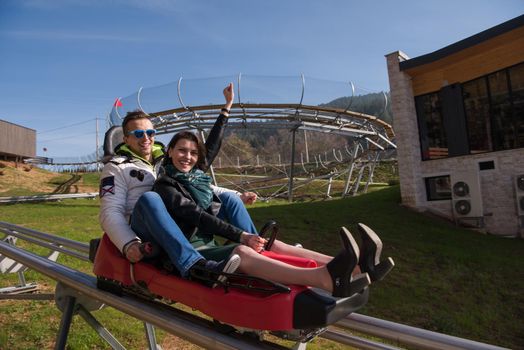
[133, 253]
[229, 95]
[255, 242]
[248, 197]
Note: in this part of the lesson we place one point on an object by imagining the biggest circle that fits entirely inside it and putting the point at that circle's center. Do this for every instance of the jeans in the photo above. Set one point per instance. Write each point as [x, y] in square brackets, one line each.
[234, 212]
[152, 223]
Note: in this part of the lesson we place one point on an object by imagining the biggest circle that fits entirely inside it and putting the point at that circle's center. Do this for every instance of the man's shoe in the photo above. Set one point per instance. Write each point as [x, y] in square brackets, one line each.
[370, 251]
[212, 272]
[225, 266]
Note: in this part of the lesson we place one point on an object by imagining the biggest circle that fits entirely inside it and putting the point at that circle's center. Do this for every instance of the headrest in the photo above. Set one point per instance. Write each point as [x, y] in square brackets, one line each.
[114, 136]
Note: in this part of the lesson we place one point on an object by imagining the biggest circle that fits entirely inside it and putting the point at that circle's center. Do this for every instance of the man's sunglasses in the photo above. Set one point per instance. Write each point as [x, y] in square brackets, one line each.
[140, 133]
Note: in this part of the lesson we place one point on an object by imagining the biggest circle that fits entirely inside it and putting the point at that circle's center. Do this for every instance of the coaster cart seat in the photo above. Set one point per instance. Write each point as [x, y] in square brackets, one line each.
[244, 302]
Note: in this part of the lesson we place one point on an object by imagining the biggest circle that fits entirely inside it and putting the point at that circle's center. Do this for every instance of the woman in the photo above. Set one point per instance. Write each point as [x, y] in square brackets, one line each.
[151, 222]
[187, 194]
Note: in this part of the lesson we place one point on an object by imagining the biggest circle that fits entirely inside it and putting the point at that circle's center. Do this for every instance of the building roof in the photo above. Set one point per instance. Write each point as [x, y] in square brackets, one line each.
[476, 39]
[18, 125]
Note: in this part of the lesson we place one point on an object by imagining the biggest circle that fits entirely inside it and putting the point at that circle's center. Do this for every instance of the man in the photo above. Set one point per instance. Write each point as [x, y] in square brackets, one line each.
[132, 172]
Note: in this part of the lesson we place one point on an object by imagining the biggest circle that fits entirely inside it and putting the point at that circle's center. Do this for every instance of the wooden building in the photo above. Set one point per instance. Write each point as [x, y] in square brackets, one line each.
[16, 142]
[458, 115]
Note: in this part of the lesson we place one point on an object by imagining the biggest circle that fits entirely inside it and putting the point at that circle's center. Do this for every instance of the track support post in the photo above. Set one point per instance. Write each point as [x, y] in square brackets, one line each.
[291, 171]
[151, 337]
[65, 322]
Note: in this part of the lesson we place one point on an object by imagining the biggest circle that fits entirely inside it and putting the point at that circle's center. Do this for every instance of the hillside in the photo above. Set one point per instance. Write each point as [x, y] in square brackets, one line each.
[22, 179]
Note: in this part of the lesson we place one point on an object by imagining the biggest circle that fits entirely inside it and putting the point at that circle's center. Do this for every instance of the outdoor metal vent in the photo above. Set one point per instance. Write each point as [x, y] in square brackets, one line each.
[460, 189]
[466, 195]
[519, 193]
[463, 207]
[520, 182]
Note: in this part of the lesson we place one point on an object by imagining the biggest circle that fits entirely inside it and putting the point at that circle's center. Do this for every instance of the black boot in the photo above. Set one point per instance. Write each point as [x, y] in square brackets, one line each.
[342, 266]
[370, 251]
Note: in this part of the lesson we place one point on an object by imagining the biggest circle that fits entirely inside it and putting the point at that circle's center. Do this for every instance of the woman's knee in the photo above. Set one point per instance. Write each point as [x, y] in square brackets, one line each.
[244, 252]
[279, 246]
[247, 260]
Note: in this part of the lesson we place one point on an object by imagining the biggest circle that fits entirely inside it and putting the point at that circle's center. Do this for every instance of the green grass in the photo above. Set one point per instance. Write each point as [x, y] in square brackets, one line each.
[446, 279]
[91, 179]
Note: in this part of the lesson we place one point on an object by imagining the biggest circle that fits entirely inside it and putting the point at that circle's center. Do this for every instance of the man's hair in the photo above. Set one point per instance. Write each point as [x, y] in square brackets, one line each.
[133, 115]
[188, 135]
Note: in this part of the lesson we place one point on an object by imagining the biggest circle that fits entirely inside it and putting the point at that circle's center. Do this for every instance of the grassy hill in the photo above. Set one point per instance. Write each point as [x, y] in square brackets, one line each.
[23, 180]
[446, 279]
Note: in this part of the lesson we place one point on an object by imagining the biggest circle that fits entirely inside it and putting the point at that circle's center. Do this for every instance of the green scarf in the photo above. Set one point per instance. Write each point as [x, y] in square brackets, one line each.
[157, 150]
[196, 182]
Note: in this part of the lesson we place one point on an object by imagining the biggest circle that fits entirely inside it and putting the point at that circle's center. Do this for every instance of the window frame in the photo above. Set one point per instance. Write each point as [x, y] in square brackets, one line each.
[429, 192]
[424, 141]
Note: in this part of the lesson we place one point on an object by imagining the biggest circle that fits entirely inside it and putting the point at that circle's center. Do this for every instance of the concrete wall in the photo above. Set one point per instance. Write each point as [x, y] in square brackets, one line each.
[17, 141]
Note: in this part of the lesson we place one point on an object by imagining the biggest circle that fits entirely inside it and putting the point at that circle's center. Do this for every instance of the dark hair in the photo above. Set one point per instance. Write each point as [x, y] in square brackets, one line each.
[188, 135]
[133, 115]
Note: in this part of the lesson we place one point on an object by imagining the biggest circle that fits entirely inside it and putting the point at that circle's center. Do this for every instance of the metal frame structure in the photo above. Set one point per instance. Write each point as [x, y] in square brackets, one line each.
[295, 115]
[370, 132]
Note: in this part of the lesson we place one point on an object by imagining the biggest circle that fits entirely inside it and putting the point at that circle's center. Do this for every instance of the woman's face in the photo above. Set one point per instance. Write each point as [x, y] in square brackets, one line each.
[184, 155]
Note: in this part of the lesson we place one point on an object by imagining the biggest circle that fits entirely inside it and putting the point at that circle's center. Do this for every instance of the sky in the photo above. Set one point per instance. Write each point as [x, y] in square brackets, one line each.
[63, 62]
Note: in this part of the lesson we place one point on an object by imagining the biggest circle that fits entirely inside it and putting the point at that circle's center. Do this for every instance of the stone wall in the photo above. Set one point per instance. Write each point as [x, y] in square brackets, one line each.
[406, 131]
[497, 187]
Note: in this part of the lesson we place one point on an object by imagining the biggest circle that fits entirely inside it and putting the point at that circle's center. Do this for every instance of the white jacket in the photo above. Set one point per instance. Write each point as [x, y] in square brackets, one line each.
[124, 179]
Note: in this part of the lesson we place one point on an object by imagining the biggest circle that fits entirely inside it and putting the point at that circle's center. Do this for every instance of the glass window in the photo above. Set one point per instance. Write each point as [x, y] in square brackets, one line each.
[431, 128]
[438, 188]
[494, 112]
[516, 76]
[476, 108]
[503, 130]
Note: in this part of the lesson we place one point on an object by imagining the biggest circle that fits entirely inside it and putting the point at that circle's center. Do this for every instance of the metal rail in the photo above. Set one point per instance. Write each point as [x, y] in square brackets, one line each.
[47, 197]
[411, 336]
[351, 340]
[12, 229]
[174, 321]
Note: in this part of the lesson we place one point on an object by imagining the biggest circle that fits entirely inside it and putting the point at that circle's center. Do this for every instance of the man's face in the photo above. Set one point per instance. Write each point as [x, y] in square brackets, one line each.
[141, 146]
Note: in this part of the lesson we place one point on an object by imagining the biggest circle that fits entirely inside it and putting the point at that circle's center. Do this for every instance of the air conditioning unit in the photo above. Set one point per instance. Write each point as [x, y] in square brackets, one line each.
[466, 196]
[519, 193]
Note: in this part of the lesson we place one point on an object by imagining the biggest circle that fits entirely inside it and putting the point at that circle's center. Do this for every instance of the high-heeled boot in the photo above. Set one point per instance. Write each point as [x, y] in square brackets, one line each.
[370, 251]
[341, 267]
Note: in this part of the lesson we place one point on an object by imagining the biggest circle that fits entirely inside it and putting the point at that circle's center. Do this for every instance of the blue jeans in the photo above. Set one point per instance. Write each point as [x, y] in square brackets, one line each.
[152, 223]
[234, 212]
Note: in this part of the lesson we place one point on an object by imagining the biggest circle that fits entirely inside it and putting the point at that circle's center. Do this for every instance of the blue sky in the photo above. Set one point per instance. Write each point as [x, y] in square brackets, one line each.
[63, 62]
